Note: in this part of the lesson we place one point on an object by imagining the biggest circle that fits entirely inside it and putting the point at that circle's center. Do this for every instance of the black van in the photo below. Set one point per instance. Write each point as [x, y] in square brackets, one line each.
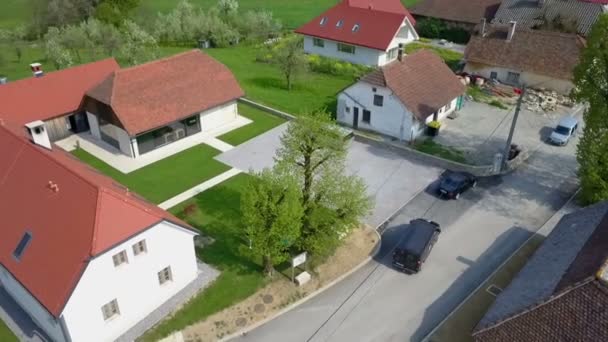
[413, 250]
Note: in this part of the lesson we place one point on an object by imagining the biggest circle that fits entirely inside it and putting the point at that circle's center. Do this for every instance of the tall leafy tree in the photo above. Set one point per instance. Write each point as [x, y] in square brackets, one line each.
[289, 57]
[591, 87]
[272, 216]
[137, 45]
[314, 152]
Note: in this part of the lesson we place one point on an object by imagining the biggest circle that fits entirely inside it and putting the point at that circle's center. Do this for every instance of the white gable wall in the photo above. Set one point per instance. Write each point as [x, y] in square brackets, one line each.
[406, 35]
[134, 285]
[391, 119]
[30, 305]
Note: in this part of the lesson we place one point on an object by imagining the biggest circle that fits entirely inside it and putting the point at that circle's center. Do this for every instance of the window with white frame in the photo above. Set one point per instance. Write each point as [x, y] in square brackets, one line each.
[110, 310]
[318, 42]
[323, 21]
[165, 275]
[120, 258]
[367, 116]
[378, 100]
[140, 248]
[346, 48]
[392, 53]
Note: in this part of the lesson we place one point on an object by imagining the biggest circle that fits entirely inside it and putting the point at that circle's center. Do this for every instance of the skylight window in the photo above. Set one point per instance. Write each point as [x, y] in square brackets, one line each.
[339, 23]
[25, 241]
[323, 21]
[356, 28]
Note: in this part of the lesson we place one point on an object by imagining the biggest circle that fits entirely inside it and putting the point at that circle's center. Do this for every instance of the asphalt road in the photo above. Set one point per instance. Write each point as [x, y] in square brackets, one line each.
[480, 230]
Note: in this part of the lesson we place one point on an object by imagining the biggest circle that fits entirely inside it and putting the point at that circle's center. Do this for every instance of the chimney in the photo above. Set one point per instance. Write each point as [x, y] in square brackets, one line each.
[39, 135]
[400, 52]
[482, 29]
[37, 69]
[512, 25]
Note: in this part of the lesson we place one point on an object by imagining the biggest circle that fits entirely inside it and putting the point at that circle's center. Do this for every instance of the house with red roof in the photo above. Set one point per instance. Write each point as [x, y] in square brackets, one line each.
[151, 106]
[54, 98]
[84, 257]
[366, 32]
[400, 98]
[155, 109]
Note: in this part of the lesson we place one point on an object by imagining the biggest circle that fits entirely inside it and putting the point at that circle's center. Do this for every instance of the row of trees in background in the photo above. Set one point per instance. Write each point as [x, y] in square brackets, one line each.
[221, 25]
[71, 28]
[308, 201]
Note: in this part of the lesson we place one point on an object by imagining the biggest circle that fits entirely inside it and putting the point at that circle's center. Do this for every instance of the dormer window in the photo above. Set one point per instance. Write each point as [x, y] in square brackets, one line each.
[339, 23]
[356, 28]
[23, 243]
[323, 21]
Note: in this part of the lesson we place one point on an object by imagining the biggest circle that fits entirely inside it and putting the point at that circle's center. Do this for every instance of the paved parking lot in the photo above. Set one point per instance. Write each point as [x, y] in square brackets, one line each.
[391, 179]
[480, 130]
[480, 230]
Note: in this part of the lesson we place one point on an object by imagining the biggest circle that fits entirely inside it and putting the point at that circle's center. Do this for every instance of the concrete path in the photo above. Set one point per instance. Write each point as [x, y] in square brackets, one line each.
[18, 320]
[218, 144]
[186, 195]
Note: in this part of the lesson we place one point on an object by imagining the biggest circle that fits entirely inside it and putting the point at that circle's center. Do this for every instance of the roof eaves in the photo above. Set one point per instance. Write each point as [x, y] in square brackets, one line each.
[535, 306]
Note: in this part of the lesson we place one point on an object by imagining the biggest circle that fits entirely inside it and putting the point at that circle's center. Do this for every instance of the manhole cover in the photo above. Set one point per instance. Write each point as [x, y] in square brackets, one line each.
[259, 308]
[268, 299]
[241, 322]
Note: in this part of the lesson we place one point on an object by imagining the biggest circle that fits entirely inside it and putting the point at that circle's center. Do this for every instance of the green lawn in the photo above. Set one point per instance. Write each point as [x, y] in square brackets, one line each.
[217, 215]
[6, 335]
[265, 83]
[168, 177]
[429, 146]
[451, 58]
[262, 122]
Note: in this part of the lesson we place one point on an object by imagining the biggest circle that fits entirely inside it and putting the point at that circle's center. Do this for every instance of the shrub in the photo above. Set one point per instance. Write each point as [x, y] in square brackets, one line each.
[437, 29]
[434, 124]
[336, 67]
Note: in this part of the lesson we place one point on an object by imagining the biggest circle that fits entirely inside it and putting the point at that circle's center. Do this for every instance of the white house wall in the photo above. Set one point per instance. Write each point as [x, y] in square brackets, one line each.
[218, 116]
[391, 119]
[362, 55]
[529, 79]
[134, 285]
[29, 304]
[124, 140]
[406, 35]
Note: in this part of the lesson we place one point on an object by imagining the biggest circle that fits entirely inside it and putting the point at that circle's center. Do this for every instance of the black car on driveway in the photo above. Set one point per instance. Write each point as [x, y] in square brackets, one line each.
[455, 183]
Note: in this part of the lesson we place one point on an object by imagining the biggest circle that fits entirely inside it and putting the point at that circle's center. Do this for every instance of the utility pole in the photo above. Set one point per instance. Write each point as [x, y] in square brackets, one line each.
[513, 124]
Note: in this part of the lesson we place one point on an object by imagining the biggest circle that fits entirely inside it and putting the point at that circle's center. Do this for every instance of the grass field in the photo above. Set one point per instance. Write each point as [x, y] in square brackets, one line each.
[217, 215]
[262, 122]
[166, 178]
[6, 335]
[265, 83]
[431, 147]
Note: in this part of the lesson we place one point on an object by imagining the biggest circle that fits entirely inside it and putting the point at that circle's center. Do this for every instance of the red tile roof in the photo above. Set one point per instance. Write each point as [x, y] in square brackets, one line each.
[88, 215]
[379, 21]
[155, 94]
[552, 54]
[422, 81]
[55, 94]
[465, 11]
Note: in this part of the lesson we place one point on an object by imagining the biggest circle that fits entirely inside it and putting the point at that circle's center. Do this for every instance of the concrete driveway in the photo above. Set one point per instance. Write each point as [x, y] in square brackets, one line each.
[391, 179]
[481, 130]
[480, 230]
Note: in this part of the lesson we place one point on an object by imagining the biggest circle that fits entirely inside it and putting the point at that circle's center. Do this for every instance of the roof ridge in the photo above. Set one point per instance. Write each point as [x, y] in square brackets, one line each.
[158, 61]
[536, 305]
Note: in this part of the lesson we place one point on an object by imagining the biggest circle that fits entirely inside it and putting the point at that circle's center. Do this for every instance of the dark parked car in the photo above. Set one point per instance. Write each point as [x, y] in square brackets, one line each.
[416, 246]
[455, 183]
